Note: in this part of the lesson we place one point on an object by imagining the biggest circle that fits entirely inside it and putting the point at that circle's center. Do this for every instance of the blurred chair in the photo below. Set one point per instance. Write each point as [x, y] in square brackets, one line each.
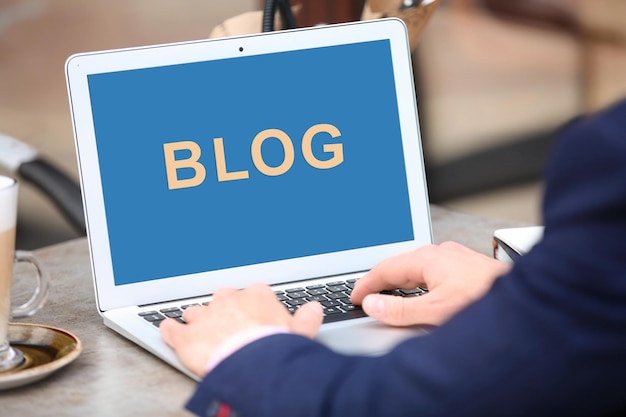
[519, 159]
[591, 24]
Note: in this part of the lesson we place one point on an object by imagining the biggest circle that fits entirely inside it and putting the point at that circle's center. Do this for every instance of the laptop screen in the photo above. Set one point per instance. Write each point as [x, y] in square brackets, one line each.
[233, 162]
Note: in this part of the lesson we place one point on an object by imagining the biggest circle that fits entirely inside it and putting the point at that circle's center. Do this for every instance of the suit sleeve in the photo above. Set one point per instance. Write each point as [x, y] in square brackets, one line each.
[549, 338]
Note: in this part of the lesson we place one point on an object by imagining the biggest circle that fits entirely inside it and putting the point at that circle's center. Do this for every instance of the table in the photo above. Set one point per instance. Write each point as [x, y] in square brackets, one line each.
[113, 376]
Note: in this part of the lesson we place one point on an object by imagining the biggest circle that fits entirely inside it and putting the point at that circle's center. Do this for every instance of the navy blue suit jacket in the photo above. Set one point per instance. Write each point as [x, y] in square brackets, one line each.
[549, 338]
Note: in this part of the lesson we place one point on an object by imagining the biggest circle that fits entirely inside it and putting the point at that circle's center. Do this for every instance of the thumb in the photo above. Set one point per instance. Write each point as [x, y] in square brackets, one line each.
[308, 319]
[394, 310]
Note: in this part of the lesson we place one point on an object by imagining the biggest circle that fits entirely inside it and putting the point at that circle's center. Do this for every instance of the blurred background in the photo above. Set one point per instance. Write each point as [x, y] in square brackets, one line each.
[495, 81]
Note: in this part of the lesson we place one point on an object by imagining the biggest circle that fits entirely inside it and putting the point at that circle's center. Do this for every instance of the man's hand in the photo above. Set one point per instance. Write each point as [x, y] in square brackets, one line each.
[454, 275]
[232, 311]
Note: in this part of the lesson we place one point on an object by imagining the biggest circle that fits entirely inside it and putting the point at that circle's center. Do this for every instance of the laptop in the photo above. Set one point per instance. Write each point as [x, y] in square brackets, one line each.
[291, 158]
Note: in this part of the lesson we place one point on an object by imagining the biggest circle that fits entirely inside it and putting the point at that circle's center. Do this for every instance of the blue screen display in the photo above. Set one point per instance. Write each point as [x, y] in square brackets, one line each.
[226, 163]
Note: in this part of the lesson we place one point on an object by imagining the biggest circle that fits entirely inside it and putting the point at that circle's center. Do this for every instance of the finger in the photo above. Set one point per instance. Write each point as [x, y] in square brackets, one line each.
[193, 354]
[192, 312]
[308, 319]
[170, 332]
[264, 298]
[223, 293]
[455, 246]
[260, 290]
[399, 311]
[402, 271]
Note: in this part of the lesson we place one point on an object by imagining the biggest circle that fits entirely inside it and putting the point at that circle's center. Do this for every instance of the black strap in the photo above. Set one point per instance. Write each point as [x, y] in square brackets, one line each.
[59, 188]
[269, 12]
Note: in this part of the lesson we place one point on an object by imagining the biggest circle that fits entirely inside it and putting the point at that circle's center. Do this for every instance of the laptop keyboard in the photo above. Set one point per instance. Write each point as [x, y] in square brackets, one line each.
[333, 296]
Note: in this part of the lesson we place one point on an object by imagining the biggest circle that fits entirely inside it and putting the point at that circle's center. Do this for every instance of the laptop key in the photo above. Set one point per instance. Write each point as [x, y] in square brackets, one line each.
[153, 317]
[314, 287]
[169, 309]
[317, 291]
[317, 298]
[157, 323]
[296, 302]
[290, 290]
[336, 288]
[336, 295]
[331, 303]
[291, 309]
[413, 292]
[406, 293]
[297, 294]
[354, 314]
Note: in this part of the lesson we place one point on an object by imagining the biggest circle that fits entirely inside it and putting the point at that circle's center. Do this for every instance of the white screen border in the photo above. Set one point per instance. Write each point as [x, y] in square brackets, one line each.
[80, 66]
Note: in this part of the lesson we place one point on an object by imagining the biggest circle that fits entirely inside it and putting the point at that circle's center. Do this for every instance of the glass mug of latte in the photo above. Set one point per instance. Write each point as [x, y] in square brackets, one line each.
[10, 357]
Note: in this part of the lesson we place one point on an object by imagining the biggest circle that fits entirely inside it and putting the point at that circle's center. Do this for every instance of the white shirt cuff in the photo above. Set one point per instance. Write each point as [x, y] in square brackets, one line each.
[238, 340]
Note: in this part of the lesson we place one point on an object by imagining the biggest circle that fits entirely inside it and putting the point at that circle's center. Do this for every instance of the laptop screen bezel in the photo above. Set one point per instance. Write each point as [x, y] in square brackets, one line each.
[80, 66]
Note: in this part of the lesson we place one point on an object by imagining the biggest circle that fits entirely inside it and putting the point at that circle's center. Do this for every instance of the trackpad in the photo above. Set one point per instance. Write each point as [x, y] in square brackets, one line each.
[365, 336]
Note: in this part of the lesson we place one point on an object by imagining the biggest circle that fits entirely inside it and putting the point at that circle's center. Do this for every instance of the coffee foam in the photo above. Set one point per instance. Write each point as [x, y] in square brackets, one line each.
[8, 203]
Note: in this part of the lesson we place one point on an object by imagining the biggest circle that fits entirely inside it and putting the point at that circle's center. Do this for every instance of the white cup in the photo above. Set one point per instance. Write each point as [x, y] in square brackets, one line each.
[10, 357]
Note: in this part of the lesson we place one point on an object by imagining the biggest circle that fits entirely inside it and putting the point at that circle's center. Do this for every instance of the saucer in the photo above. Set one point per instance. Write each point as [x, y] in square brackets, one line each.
[45, 349]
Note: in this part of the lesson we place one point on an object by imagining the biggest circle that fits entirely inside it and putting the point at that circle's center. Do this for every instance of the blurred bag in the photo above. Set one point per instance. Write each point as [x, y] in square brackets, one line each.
[260, 20]
[414, 13]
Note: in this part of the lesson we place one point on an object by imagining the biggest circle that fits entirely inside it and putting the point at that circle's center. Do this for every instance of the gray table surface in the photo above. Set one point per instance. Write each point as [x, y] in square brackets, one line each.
[114, 377]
